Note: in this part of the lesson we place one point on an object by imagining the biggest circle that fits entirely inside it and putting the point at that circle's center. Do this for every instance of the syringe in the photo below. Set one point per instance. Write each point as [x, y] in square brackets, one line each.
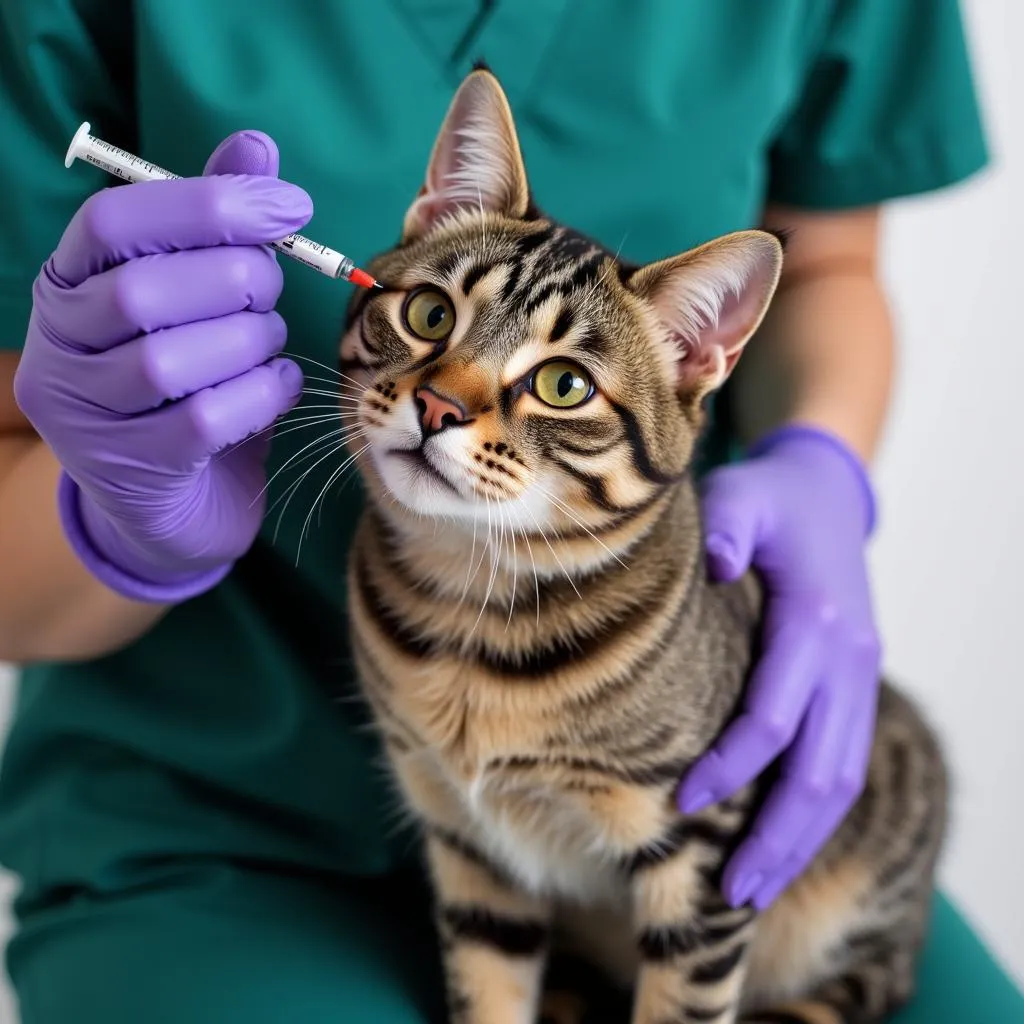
[126, 165]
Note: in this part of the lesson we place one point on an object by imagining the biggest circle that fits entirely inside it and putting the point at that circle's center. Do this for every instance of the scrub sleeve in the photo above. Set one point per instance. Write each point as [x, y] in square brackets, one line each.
[199, 822]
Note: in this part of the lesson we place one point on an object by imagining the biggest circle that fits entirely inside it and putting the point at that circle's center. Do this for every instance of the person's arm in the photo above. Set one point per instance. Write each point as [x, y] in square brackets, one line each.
[51, 607]
[810, 398]
[886, 109]
[824, 354]
[140, 381]
[54, 63]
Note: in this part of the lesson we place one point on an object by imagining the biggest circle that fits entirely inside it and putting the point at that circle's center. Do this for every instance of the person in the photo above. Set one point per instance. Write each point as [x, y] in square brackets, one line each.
[188, 794]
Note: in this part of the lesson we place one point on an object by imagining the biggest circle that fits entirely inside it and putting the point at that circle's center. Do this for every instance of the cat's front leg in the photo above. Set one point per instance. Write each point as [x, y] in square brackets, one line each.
[692, 944]
[494, 935]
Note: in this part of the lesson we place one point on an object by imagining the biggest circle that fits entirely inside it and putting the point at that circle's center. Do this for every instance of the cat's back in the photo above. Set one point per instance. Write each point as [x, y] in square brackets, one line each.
[865, 896]
[899, 820]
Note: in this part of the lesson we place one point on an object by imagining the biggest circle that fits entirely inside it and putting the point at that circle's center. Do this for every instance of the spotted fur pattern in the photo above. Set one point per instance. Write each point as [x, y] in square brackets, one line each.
[540, 645]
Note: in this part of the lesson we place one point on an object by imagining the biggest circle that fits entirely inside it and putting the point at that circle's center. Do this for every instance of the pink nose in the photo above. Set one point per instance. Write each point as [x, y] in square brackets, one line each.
[436, 412]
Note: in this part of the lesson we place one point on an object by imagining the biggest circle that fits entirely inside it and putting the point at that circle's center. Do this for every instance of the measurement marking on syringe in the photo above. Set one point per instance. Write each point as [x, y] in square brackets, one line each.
[132, 168]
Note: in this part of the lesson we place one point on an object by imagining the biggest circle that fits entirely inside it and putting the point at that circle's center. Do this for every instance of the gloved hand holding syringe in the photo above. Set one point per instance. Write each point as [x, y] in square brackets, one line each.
[123, 164]
[155, 366]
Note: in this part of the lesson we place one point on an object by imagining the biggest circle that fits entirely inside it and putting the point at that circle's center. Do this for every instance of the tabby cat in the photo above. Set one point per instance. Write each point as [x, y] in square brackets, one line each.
[536, 635]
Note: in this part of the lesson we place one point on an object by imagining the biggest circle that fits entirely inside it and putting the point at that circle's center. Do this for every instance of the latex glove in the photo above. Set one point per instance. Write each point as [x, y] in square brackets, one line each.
[151, 355]
[799, 510]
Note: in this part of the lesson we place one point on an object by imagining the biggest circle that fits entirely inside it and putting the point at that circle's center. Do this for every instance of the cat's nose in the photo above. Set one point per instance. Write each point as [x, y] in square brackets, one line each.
[436, 412]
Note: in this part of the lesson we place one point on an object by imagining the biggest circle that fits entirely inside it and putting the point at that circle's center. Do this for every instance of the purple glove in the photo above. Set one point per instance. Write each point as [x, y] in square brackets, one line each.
[150, 359]
[799, 510]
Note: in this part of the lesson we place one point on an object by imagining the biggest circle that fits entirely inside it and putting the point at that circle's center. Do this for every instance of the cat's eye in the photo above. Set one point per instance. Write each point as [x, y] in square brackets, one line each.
[429, 315]
[561, 384]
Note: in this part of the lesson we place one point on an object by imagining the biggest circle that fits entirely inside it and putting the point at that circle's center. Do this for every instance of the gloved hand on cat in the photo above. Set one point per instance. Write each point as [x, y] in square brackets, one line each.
[151, 357]
[799, 511]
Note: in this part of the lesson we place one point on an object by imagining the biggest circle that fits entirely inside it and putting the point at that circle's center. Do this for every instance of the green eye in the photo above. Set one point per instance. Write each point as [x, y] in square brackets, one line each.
[562, 384]
[429, 315]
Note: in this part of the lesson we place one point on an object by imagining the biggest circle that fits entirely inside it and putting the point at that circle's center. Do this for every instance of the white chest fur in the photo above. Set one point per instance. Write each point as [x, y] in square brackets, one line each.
[545, 840]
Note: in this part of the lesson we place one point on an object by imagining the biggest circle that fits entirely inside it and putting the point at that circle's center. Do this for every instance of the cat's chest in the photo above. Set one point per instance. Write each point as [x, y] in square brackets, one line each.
[471, 724]
[549, 814]
[550, 847]
[539, 824]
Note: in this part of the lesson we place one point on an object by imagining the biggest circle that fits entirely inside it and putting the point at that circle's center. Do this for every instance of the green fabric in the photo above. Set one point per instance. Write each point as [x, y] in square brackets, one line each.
[231, 732]
[959, 981]
[211, 943]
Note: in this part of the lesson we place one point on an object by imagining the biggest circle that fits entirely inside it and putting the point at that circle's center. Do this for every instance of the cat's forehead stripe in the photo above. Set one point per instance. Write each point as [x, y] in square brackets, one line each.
[474, 274]
[537, 264]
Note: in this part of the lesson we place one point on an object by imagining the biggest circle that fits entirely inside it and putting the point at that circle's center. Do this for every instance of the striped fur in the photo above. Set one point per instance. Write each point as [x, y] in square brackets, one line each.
[543, 652]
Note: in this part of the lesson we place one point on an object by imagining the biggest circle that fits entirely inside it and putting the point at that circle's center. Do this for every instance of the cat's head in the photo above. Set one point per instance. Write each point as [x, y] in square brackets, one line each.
[513, 366]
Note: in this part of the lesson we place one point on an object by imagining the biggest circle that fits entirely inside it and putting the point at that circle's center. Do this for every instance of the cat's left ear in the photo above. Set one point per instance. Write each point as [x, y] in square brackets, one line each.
[710, 301]
[476, 162]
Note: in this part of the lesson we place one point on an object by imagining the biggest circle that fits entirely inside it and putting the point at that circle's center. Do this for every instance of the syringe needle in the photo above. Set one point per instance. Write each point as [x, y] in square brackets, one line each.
[129, 167]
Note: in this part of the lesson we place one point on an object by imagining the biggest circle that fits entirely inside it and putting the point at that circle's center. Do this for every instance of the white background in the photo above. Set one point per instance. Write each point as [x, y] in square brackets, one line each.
[949, 556]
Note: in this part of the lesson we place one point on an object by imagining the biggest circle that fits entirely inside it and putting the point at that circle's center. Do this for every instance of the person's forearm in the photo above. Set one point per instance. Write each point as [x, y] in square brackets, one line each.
[824, 354]
[51, 608]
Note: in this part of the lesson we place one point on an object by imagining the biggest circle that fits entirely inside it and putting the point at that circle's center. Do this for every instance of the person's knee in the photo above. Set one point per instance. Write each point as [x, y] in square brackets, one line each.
[226, 947]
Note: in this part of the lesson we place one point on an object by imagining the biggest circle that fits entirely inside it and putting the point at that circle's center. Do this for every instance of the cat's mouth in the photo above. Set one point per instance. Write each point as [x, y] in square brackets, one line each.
[419, 462]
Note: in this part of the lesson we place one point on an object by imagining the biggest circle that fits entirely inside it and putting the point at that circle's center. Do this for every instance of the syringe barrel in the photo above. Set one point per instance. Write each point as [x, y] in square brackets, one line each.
[111, 160]
[313, 254]
[129, 167]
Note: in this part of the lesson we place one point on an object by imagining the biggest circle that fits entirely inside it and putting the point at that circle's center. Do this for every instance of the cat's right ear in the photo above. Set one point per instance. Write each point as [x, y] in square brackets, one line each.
[710, 301]
[476, 163]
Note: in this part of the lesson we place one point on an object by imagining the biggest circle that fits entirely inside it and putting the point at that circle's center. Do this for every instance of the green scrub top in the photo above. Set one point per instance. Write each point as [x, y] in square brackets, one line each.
[231, 731]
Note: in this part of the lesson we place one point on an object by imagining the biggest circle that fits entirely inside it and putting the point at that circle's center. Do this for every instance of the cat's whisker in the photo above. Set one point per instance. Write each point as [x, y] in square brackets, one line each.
[330, 480]
[345, 393]
[329, 369]
[566, 510]
[486, 545]
[316, 501]
[340, 441]
[342, 406]
[495, 563]
[290, 491]
[341, 490]
[340, 411]
[500, 562]
[317, 385]
[341, 385]
[315, 362]
[554, 554]
[316, 412]
[293, 488]
[276, 427]
[322, 392]
[533, 565]
[328, 380]
[472, 553]
[346, 436]
[495, 555]
[295, 422]
[345, 432]
[351, 381]
[290, 427]
[515, 575]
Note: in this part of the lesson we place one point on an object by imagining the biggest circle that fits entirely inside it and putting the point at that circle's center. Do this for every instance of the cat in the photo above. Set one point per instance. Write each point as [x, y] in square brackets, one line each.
[538, 641]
